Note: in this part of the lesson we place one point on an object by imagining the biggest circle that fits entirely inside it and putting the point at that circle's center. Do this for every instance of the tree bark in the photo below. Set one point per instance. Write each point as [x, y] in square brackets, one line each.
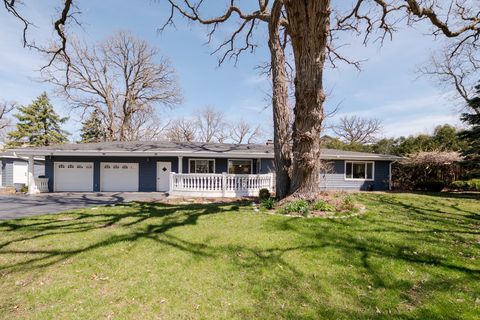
[280, 108]
[309, 25]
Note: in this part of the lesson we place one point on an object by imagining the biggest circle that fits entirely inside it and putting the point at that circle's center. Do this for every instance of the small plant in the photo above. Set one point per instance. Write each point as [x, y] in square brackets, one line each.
[268, 203]
[321, 205]
[298, 206]
[264, 194]
[348, 203]
[24, 189]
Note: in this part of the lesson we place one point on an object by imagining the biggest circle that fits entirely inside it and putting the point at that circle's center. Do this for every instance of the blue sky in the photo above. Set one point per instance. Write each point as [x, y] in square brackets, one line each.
[387, 87]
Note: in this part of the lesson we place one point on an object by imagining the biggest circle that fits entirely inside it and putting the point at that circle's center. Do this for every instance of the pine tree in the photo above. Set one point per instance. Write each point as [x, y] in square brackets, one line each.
[93, 129]
[472, 136]
[38, 125]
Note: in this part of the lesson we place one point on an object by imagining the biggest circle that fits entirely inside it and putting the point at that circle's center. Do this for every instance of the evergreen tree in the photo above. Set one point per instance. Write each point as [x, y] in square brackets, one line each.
[38, 125]
[472, 136]
[93, 129]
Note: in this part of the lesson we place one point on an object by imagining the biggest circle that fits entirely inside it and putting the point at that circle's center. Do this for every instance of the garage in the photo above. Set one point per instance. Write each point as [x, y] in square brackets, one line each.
[118, 176]
[73, 176]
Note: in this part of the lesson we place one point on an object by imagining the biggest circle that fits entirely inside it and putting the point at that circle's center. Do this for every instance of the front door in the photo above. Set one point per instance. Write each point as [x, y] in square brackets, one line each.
[163, 176]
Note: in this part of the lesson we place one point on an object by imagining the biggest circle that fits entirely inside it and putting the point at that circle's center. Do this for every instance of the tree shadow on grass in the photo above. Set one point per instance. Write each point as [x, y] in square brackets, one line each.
[290, 290]
[165, 217]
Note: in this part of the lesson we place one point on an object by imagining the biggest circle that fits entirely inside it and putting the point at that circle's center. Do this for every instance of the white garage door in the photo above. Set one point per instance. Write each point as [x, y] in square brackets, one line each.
[119, 176]
[73, 176]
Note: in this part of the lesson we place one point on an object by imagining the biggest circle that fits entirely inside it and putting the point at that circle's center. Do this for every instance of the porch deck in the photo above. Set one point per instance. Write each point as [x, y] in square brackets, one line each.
[220, 185]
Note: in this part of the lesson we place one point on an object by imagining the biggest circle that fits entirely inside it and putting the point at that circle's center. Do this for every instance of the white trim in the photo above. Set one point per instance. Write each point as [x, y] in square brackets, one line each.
[358, 179]
[97, 153]
[214, 164]
[176, 153]
[251, 164]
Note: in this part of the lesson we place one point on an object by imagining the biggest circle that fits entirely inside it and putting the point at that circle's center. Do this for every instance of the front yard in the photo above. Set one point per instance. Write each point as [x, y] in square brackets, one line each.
[408, 257]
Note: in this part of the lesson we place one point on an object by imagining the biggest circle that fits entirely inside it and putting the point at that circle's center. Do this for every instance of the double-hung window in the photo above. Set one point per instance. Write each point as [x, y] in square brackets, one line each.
[202, 166]
[359, 170]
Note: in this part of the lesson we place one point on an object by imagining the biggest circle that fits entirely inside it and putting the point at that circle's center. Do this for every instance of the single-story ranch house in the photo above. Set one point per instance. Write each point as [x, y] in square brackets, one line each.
[190, 169]
[13, 170]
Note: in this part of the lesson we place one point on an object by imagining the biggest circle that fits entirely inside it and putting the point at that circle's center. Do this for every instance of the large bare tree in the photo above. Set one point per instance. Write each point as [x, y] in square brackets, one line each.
[211, 125]
[122, 78]
[310, 28]
[355, 129]
[182, 130]
[243, 132]
[5, 109]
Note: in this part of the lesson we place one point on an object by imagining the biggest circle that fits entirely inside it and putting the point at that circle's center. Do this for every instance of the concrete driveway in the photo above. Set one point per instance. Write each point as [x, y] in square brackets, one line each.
[16, 206]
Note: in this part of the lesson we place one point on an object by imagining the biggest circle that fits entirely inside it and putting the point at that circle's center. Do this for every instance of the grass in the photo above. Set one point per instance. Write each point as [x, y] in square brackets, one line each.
[410, 256]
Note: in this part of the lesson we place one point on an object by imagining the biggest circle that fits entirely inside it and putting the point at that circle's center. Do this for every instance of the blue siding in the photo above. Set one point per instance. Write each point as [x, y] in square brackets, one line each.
[147, 169]
[334, 179]
[267, 166]
[7, 170]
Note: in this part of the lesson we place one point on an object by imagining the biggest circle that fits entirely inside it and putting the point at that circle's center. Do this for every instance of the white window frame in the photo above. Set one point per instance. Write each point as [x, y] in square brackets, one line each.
[205, 159]
[251, 164]
[359, 179]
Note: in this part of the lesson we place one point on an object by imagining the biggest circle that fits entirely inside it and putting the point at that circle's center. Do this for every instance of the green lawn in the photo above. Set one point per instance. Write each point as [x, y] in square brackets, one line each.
[408, 257]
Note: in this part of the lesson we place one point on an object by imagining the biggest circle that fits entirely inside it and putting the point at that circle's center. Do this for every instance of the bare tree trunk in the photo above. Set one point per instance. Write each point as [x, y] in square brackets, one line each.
[309, 27]
[281, 112]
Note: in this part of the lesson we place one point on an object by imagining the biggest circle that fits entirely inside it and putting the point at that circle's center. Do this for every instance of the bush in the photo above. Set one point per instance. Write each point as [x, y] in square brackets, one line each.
[430, 185]
[321, 205]
[24, 189]
[348, 203]
[298, 206]
[466, 185]
[264, 194]
[268, 203]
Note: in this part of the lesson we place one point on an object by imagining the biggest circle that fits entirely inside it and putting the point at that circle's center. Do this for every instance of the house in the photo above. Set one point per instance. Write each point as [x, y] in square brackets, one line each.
[194, 169]
[13, 170]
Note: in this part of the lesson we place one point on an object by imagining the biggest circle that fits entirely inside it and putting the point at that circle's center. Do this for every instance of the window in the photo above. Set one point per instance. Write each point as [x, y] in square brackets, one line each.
[71, 166]
[79, 166]
[61, 166]
[201, 166]
[240, 166]
[358, 170]
[124, 166]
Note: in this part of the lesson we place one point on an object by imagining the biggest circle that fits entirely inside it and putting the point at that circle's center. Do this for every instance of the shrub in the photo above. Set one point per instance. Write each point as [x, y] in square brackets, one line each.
[298, 206]
[430, 185]
[466, 185]
[268, 203]
[321, 205]
[264, 194]
[24, 189]
[348, 203]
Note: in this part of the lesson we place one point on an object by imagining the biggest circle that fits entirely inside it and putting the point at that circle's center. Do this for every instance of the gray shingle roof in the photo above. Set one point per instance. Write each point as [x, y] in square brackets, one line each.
[182, 148]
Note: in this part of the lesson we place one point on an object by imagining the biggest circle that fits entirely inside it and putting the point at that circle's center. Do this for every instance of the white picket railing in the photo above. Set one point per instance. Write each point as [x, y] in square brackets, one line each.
[41, 185]
[219, 185]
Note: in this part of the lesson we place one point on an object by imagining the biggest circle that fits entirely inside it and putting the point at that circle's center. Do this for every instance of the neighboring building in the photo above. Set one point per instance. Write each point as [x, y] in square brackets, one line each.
[195, 169]
[14, 170]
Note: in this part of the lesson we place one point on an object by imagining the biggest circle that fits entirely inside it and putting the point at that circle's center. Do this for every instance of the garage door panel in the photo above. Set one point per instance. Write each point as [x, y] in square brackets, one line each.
[73, 176]
[119, 176]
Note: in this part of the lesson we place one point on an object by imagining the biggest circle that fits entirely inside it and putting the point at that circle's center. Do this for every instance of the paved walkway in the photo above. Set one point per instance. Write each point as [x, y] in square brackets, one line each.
[16, 206]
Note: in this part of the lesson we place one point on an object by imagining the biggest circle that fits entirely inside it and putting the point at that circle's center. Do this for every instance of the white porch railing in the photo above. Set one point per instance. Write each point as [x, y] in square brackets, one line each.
[41, 185]
[219, 185]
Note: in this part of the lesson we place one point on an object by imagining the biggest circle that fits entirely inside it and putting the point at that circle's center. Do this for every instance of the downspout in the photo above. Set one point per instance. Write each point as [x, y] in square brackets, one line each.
[390, 176]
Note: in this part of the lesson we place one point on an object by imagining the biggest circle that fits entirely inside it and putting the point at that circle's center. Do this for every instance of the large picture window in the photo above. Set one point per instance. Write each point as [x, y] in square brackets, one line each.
[359, 170]
[201, 166]
[240, 166]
